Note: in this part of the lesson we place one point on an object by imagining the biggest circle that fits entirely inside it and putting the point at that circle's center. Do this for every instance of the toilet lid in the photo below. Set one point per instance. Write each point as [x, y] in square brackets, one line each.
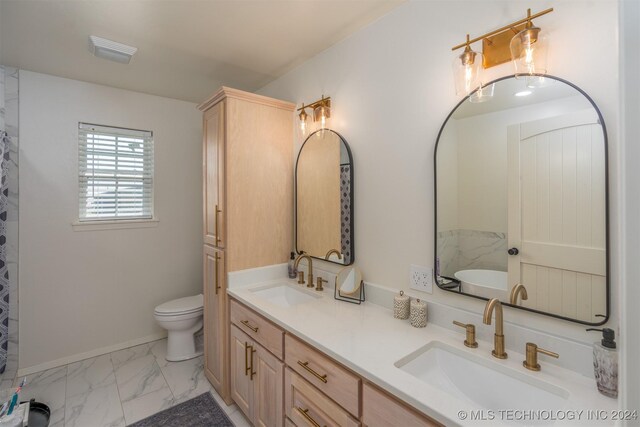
[181, 305]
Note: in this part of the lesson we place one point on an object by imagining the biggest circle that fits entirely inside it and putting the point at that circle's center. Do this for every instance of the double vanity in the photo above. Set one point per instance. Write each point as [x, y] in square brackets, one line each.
[347, 364]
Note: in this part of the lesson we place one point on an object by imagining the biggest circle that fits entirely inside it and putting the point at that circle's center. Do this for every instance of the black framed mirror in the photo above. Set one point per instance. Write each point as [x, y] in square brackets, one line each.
[521, 200]
[324, 198]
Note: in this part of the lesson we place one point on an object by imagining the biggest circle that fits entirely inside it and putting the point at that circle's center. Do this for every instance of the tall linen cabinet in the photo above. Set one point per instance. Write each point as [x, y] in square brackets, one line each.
[248, 205]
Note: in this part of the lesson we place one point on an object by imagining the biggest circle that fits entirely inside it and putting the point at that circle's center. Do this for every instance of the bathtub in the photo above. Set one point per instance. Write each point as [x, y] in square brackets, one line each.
[484, 283]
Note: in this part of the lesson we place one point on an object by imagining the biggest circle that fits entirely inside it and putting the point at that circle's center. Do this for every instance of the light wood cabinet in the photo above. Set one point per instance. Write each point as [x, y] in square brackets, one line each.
[214, 307]
[213, 175]
[307, 406]
[247, 204]
[256, 380]
[382, 410]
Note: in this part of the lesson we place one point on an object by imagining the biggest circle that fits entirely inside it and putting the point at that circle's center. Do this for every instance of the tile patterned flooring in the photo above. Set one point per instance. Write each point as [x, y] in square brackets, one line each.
[120, 388]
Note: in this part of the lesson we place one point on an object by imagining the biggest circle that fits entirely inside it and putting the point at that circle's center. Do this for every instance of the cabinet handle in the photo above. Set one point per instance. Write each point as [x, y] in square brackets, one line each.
[247, 369]
[305, 414]
[305, 365]
[217, 258]
[218, 239]
[246, 323]
[251, 371]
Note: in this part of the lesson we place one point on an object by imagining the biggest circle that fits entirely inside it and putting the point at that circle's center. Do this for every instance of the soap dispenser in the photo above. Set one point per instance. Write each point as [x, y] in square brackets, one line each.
[292, 270]
[605, 362]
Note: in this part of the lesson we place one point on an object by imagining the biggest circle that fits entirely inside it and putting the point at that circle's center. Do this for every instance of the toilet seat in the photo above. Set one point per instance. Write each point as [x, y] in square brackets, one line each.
[181, 306]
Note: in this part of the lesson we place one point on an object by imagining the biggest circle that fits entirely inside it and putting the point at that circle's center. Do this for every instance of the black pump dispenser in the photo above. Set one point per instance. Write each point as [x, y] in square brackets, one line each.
[293, 257]
[608, 337]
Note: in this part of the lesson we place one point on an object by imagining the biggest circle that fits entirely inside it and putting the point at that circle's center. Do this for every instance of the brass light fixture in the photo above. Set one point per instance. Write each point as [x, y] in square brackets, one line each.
[304, 117]
[520, 42]
[466, 70]
[321, 110]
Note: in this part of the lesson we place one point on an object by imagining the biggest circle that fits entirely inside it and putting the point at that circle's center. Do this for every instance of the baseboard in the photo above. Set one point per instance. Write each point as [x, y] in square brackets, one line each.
[93, 353]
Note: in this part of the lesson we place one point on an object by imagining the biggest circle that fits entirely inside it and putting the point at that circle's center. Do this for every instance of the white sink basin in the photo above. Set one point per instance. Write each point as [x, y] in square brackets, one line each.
[483, 384]
[284, 295]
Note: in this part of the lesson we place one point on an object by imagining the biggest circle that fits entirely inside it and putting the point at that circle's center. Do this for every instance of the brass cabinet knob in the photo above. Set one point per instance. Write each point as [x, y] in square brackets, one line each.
[470, 340]
[532, 351]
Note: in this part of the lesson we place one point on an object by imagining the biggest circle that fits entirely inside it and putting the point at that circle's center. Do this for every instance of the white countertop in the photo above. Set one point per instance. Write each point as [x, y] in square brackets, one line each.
[367, 339]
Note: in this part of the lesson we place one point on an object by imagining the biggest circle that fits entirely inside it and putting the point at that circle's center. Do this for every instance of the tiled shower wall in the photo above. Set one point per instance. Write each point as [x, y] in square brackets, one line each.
[9, 121]
[471, 249]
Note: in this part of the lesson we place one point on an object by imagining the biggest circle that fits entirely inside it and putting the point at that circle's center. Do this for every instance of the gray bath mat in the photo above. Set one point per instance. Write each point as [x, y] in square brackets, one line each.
[201, 411]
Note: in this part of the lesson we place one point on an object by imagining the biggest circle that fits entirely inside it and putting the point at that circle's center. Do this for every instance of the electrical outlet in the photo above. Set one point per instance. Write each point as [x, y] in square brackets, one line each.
[421, 278]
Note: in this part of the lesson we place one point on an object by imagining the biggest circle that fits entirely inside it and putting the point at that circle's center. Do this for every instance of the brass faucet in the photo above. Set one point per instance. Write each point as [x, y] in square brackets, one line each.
[310, 267]
[333, 251]
[498, 337]
[518, 289]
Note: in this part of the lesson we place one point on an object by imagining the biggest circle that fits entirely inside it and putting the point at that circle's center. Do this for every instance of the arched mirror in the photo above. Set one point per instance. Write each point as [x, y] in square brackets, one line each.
[522, 202]
[324, 198]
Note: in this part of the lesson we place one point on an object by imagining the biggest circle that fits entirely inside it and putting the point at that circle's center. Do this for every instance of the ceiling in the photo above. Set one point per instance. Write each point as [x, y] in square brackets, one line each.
[186, 48]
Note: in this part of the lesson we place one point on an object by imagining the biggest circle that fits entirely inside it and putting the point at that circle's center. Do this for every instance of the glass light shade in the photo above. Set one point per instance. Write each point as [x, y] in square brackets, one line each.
[303, 122]
[320, 114]
[483, 94]
[529, 53]
[466, 71]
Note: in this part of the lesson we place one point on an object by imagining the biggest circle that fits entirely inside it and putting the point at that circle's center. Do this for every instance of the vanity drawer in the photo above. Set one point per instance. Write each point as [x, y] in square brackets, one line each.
[258, 328]
[306, 406]
[288, 423]
[338, 383]
[381, 410]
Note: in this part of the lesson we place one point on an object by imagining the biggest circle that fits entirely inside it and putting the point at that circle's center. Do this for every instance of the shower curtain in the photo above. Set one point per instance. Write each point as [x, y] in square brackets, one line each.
[4, 195]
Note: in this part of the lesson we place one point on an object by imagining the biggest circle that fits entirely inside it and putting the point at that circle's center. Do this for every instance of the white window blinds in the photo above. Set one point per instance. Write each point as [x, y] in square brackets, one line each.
[115, 173]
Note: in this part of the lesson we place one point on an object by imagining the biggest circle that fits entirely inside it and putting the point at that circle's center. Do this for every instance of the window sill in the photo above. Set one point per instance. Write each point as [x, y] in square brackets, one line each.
[118, 224]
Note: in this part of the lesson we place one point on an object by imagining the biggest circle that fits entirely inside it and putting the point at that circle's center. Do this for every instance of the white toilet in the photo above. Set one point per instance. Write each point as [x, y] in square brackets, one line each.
[181, 318]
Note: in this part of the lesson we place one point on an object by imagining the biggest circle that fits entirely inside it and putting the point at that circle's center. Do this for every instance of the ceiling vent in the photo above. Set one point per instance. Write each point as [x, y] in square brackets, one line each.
[108, 49]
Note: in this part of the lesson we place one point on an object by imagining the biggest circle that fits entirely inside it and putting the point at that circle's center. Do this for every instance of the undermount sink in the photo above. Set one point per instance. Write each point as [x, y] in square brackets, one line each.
[484, 384]
[284, 295]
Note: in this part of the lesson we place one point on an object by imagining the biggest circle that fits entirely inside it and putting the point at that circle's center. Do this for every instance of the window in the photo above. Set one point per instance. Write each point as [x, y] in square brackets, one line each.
[115, 173]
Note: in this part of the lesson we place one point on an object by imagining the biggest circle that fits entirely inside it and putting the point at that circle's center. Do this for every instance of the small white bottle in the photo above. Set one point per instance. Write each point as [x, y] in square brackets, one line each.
[292, 270]
[605, 362]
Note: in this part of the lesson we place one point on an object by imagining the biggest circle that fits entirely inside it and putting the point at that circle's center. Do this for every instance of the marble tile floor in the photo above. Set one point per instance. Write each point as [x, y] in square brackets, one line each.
[120, 388]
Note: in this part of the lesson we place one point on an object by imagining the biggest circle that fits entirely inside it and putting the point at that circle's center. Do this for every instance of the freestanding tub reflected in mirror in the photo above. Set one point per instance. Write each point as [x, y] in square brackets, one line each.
[485, 283]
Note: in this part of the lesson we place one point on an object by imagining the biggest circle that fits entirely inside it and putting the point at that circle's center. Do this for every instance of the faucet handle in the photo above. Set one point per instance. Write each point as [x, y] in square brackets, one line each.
[301, 277]
[320, 282]
[532, 351]
[470, 340]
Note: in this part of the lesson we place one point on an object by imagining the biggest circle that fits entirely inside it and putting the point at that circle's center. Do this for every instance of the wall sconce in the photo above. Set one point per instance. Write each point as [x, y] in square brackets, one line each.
[519, 42]
[321, 111]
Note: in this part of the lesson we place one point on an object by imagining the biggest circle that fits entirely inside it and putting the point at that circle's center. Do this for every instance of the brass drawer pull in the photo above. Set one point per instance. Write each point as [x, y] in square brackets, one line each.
[217, 259]
[246, 323]
[247, 369]
[218, 239]
[252, 372]
[305, 414]
[305, 365]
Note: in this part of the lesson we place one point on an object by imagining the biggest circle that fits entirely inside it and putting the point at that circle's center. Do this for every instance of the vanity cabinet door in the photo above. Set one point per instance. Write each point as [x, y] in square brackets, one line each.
[213, 179]
[242, 356]
[215, 319]
[268, 390]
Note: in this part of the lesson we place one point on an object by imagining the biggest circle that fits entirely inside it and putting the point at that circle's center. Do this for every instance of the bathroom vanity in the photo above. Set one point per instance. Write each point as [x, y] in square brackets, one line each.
[301, 358]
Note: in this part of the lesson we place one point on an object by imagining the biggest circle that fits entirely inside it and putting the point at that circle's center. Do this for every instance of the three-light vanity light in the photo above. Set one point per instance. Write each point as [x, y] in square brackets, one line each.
[520, 42]
[321, 111]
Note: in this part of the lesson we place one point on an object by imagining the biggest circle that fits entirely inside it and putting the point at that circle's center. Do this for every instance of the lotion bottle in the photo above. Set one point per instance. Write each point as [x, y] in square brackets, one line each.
[605, 362]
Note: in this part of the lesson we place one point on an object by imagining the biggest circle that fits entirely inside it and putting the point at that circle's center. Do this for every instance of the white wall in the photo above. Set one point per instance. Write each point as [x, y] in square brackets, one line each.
[630, 226]
[85, 290]
[392, 87]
